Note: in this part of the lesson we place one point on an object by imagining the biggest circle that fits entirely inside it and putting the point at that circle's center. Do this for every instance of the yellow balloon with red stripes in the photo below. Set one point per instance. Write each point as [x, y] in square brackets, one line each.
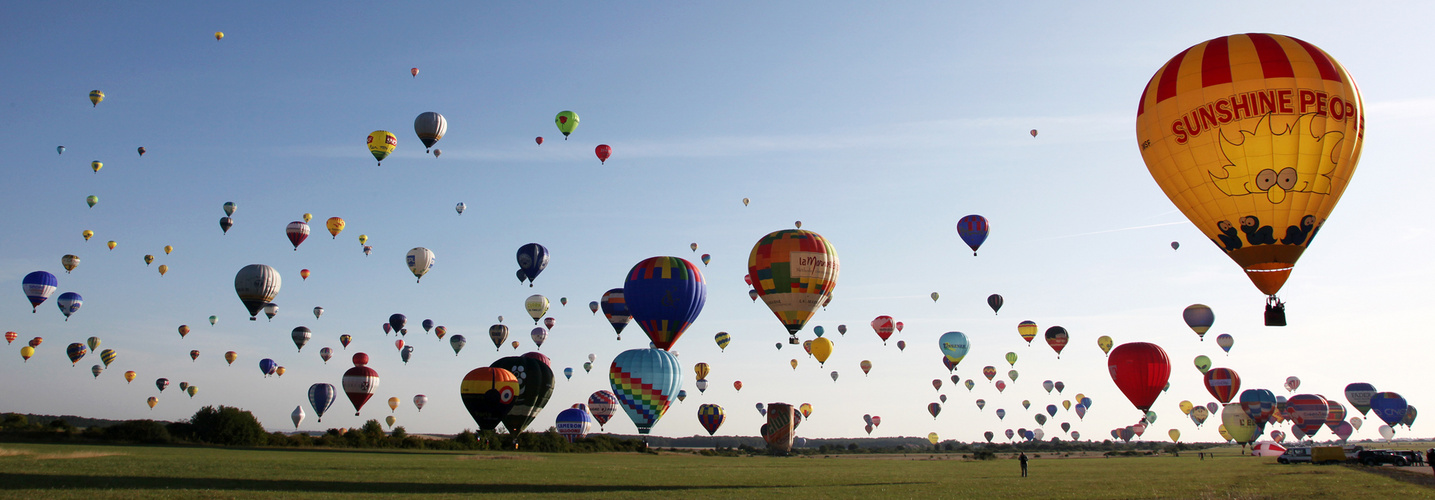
[1254, 137]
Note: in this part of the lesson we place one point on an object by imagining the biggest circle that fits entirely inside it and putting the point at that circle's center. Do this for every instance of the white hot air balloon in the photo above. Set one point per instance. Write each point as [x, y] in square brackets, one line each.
[420, 260]
[256, 285]
[297, 416]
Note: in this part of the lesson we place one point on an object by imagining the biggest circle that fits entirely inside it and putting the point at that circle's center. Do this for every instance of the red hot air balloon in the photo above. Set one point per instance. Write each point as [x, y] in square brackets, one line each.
[538, 140]
[603, 151]
[360, 382]
[414, 72]
[1140, 370]
[297, 232]
[1223, 384]
[884, 326]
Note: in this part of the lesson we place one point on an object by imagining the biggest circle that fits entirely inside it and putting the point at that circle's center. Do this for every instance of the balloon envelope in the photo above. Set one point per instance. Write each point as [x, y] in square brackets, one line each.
[645, 381]
[488, 393]
[535, 387]
[665, 295]
[1207, 124]
[1140, 370]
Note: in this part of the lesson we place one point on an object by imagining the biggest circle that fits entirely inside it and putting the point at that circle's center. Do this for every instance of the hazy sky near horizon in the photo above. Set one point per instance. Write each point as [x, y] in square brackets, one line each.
[876, 126]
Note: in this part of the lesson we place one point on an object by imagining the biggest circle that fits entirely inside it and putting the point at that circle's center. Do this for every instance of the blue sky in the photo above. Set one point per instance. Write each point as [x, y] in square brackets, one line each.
[878, 127]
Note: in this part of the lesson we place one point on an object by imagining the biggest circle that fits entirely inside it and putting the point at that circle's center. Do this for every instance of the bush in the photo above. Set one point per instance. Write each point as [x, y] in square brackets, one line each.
[984, 455]
[227, 426]
[139, 431]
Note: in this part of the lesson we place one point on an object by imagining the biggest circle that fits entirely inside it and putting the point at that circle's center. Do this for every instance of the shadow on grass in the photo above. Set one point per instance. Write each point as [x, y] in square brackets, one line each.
[1397, 474]
[11, 481]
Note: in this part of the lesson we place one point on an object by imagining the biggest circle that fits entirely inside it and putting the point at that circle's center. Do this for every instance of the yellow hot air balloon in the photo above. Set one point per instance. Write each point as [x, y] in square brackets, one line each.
[168, 249]
[821, 349]
[932, 437]
[95, 98]
[26, 352]
[702, 370]
[231, 356]
[1175, 435]
[308, 217]
[148, 259]
[218, 35]
[96, 166]
[87, 234]
[152, 401]
[1254, 137]
[381, 143]
[279, 371]
[1105, 343]
[794, 363]
[1186, 407]
[130, 376]
[163, 269]
[393, 404]
[111, 244]
[363, 239]
[335, 225]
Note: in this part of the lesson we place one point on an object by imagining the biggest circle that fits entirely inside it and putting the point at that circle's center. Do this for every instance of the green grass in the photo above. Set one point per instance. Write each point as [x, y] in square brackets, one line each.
[89, 472]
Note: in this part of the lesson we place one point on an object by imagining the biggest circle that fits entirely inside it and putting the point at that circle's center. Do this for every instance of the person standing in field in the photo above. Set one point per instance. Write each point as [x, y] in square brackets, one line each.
[1022, 458]
[1430, 458]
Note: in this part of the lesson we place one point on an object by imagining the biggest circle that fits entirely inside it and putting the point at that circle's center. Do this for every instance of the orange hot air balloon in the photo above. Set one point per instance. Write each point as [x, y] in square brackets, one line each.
[1254, 137]
[304, 274]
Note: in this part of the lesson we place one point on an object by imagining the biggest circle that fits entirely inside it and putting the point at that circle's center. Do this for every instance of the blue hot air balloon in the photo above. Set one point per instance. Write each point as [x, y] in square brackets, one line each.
[532, 258]
[1259, 404]
[615, 308]
[397, 321]
[954, 345]
[973, 230]
[428, 325]
[59, 150]
[1389, 406]
[664, 295]
[574, 423]
[268, 366]
[38, 286]
[568, 373]
[321, 397]
[69, 302]
[645, 381]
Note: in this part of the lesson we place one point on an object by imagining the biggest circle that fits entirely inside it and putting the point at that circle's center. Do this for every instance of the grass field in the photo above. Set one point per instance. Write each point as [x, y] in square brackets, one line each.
[90, 472]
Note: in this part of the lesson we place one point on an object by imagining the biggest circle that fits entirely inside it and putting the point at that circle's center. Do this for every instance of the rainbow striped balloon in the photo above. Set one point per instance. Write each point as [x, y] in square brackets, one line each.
[645, 382]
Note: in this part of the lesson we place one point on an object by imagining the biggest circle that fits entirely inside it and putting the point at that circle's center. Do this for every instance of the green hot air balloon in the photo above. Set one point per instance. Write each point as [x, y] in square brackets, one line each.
[92, 200]
[566, 122]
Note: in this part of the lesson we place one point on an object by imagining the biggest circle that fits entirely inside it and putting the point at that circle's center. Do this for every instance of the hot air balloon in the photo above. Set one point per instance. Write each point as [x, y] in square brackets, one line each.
[225, 223]
[566, 122]
[1011, 358]
[536, 305]
[1200, 318]
[603, 151]
[1140, 370]
[1203, 363]
[268, 366]
[615, 309]
[1310, 412]
[644, 381]
[866, 366]
[59, 150]
[360, 382]
[795, 272]
[191, 390]
[973, 230]
[538, 335]
[954, 346]
[38, 286]
[460, 208]
[96, 370]
[326, 353]
[737, 385]
[92, 200]
[297, 231]
[884, 326]
[152, 401]
[1207, 132]
[321, 397]
[95, 98]
[457, 342]
[219, 35]
[419, 260]
[1358, 394]
[573, 423]
[665, 295]
[345, 339]
[69, 303]
[76, 351]
[1390, 407]
[602, 404]
[1056, 337]
[1222, 383]
[532, 259]
[381, 143]
[107, 356]
[429, 126]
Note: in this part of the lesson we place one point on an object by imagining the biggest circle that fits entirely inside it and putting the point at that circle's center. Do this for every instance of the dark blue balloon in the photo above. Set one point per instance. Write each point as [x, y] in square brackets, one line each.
[532, 258]
[428, 325]
[664, 295]
[268, 366]
[973, 230]
[1389, 406]
[321, 397]
[38, 286]
[397, 321]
